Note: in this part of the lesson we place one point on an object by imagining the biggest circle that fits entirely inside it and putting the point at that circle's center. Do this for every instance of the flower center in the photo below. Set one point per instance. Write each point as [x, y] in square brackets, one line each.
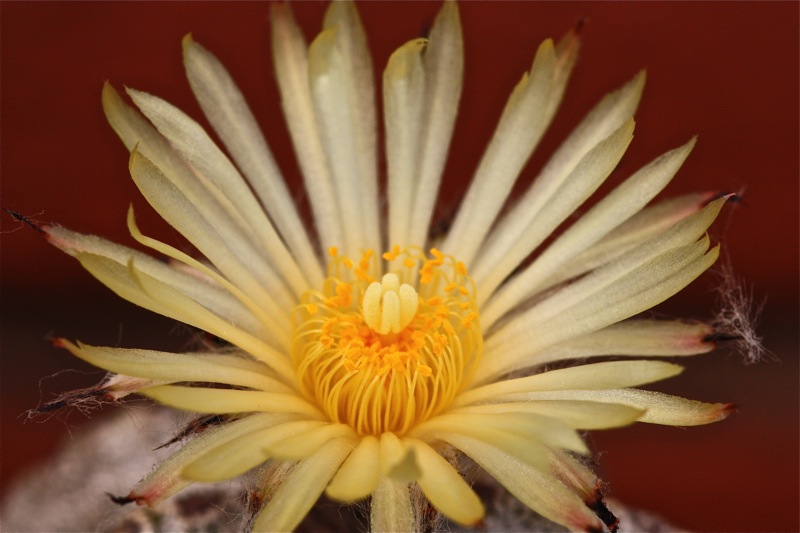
[383, 353]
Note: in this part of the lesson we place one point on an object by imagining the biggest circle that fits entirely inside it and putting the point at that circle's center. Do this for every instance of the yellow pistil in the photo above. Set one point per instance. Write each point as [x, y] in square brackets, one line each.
[386, 355]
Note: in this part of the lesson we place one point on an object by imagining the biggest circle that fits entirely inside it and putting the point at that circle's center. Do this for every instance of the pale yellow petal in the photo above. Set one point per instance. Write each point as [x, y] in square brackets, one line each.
[227, 111]
[659, 408]
[491, 427]
[304, 484]
[359, 475]
[623, 202]
[582, 182]
[445, 488]
[304, 445]
[290, 57]
[236, 457]
[521, 125]
[635, 337]
[201, 367]
[635, 231]
[444, 70]
[605, 375]
[165, 480]
[578, 414]
[221, 401]
[391, 508]
[403, 105]
[537, 489]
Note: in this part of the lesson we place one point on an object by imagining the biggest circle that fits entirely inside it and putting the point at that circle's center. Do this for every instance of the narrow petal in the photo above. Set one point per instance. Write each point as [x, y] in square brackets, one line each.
[274, 334]
[445, 488]
[578, 414]
[334, 94]
[620, 289]
[634, 232]
[519, 130]
[503, 255]
[608, 116]
[166, 479]
[290, 57]
[533, 427]
[444, 73]
[537, 489]
[195, 146]
[659, 408]
[226, 110]
[221, 242]
[640, 338]
[351, 37]
[636, 292]
[217, 300]
[391, 508]
[294, 498]
[162, 366]
[221, 401]
[304, 445]
[622, 203]
[403, 105]
[606, 375]
[236, 457]
[359, 475]
[138, 287]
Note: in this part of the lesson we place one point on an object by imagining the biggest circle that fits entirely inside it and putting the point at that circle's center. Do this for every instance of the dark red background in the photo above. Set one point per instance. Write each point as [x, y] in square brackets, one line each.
[726, 71]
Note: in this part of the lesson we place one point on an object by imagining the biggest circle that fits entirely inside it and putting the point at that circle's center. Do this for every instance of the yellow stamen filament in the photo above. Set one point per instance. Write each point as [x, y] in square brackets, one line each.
[384, 355]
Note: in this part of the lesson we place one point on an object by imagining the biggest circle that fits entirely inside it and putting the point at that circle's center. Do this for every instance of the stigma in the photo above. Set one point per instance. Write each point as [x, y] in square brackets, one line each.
[388, 306]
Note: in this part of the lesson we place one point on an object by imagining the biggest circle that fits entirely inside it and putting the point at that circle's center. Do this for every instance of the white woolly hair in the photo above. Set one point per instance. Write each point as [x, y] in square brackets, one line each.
[738, 315]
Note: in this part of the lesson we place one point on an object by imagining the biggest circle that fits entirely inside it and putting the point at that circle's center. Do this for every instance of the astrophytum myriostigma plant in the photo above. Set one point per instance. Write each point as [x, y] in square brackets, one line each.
[363, 357]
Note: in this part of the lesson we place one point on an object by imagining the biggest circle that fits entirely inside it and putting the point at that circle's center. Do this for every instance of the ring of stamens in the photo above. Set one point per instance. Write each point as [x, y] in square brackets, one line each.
[383, 353]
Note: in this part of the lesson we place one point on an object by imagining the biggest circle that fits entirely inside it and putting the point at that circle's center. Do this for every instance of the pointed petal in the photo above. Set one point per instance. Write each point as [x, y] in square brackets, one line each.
[221, 242]
[391, 508]
[290, 57]
[537, 489]
[295, 496]
[274, 334]
[578, 414]
[444, 72]
[639, 338]
[623, 202]
[445, 488]
[221, 401]
[162, 366]
[634, 232]
[226, 110]
[236, 457]
[359, 475]
[352, 40]
[222, 180]
[619, 290]
[608, 116]
[606, 375]
[659, 408]
[533, 427]
[306, 444]
[217, 300]
[144, 290]
[166, 480]
[403, 104]
[519, 130]
[502, 255]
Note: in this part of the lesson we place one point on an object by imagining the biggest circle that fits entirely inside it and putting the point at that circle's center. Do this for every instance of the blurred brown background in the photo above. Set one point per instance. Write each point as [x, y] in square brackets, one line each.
[725, 71]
